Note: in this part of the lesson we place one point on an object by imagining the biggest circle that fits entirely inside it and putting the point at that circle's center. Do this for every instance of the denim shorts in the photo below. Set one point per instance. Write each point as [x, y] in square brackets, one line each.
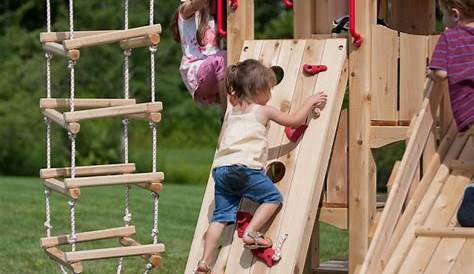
[232, 183]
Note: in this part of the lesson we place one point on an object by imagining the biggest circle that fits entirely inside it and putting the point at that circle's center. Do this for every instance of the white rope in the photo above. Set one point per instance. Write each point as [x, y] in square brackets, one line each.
[71, 19]
[148, 268]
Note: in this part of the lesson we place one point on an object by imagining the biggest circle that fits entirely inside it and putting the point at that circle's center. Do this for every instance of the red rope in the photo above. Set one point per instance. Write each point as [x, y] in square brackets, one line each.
[288, 3]
[220, 19]
[357, 37]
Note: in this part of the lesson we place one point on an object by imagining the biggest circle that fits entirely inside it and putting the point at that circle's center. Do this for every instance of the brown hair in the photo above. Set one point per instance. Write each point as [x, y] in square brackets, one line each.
[205, 16]
[465, 7]
[248, 79]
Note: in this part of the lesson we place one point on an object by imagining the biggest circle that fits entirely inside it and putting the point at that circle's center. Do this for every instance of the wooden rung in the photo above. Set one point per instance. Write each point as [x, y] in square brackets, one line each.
[461, 165]
[154, 117]
[80, 115]
[110, 37]
[114, 252]
[58, 49]
[383, 135]
[59, 37]
[126, 231]
[139, 42]
[154, 259]
[58, 255]
[46, 173]
[58, 118]
[153, 187]
[59, 187]
[444, 232]
[152, 177]
[84, 103]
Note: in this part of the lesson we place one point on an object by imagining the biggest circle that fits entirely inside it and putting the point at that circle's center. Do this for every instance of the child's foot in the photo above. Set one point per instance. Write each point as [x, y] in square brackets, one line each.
[202, 268]
[256, 240]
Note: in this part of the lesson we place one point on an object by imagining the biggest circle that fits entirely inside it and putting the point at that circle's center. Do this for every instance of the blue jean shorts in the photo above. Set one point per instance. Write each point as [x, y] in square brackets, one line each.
[232, 183]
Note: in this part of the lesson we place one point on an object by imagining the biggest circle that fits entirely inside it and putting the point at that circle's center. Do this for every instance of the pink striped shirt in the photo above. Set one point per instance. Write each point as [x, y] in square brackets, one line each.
[454, 54]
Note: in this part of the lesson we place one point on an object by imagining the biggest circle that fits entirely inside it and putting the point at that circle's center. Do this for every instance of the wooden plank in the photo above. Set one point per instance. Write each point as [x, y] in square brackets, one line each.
[140, 42]
[384, 97]
[413, 50]
[423, 199]
[384, 135]
[151, 177]
[88, 114]
[302, 26]
[58, 118]
[334, 216]
[59, 37]
[58, 186]
[125, 231]
[57, 255]
[114, 252]
[84, 103]
[413, 16]
[444, 232]
[240, 25]
[110, 37]
[58, 49]
[154, 117]
[464, 263]
[153, 259]
[337, 181]
[396, 165]
[461, 165]
[46, 173]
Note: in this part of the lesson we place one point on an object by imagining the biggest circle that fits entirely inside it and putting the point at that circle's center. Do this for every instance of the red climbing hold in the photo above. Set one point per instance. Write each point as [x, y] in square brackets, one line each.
[234, 4]
[265, 255]
[288, 4]
[243, 220]
[314, 69]
[294, 134]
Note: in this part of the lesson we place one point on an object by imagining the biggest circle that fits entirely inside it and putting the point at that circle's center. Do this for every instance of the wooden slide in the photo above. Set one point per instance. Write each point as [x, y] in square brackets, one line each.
[305, 162]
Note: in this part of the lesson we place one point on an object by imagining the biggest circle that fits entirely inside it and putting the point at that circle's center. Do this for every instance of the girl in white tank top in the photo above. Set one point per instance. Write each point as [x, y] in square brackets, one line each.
[238, 168]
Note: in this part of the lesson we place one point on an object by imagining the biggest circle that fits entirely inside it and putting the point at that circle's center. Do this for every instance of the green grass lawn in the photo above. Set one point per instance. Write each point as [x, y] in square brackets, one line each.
[22, 217]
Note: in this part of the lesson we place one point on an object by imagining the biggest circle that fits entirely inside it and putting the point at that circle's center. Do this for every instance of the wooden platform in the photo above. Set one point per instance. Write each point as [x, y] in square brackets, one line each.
[305, 162]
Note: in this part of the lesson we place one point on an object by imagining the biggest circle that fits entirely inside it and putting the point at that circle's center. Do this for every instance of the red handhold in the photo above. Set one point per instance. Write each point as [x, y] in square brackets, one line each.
[288, 4]
[243, 220]
[220, 19]
[265, 255]
[234, 4]
[357, 37]
[294, 134]
[314, 69]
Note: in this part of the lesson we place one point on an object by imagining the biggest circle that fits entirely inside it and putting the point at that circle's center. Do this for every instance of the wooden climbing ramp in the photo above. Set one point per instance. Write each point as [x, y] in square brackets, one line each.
[419, 233]
[305, 162]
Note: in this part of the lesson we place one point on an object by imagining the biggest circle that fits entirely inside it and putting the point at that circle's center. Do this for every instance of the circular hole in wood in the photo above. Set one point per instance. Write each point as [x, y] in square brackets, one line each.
[246, 48]
[276, 171]
[279, 73]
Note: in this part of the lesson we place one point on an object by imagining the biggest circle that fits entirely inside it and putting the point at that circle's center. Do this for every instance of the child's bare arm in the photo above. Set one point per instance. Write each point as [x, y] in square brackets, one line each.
[189, 7]
[437, 75]
[298, 118]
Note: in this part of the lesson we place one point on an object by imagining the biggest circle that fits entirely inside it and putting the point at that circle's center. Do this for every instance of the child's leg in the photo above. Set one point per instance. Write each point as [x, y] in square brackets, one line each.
[263, 213]
[213, 234]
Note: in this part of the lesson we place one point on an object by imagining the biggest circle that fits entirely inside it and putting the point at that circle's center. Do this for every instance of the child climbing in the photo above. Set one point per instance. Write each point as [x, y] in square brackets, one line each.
[203, 63]
[238, 168]
[453, 59]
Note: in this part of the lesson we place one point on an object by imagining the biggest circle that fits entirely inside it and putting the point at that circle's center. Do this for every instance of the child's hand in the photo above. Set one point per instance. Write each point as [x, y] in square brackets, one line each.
[319, 100]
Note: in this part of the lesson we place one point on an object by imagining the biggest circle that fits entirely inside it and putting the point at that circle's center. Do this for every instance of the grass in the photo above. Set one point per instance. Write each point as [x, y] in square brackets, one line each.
[22, 213]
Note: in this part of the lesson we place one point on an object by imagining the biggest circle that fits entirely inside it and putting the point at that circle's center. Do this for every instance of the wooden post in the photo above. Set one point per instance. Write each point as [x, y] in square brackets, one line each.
[240, 27]
[302, 19]
[359, 135]
[324, 12]
[416, 17]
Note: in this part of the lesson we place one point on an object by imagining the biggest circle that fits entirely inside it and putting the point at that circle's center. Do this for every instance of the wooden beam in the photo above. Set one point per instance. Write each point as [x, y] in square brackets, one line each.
[396, 165]
[125, 231]
[461, 165]
[154, 259]
[152, 177]
[58, 255]
[240, 27]
[154, 117]
[302, 19]
[384, 135]
[84, 103]
[58, 118]
[59, 37]
[153, 187]
[110, 37]
[337, 186]
[88, 114]
[46, 173]
[58, 186]
[114, 252]
[444, 232]
[58, 49]
[140, 42]
[334, 216]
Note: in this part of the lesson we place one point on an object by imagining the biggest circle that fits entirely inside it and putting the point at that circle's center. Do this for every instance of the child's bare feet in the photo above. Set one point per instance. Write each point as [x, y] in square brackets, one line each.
[255, 240]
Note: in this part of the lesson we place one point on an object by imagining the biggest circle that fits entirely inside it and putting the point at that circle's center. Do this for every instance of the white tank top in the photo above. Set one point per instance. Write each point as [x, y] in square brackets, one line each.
[244, 141]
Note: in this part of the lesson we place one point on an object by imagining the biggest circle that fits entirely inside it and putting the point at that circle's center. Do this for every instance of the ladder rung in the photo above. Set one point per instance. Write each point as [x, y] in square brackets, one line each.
[152, 177]
[60, 36]
[114, 252]
[58, 255]
[58, 49]
[58, 118]
[85, 103]
[47, 173]
[58, 186]
[77, 116]
[139, 42]
[126, 231]
[154, 117]
[110, 37]
[154, 259]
